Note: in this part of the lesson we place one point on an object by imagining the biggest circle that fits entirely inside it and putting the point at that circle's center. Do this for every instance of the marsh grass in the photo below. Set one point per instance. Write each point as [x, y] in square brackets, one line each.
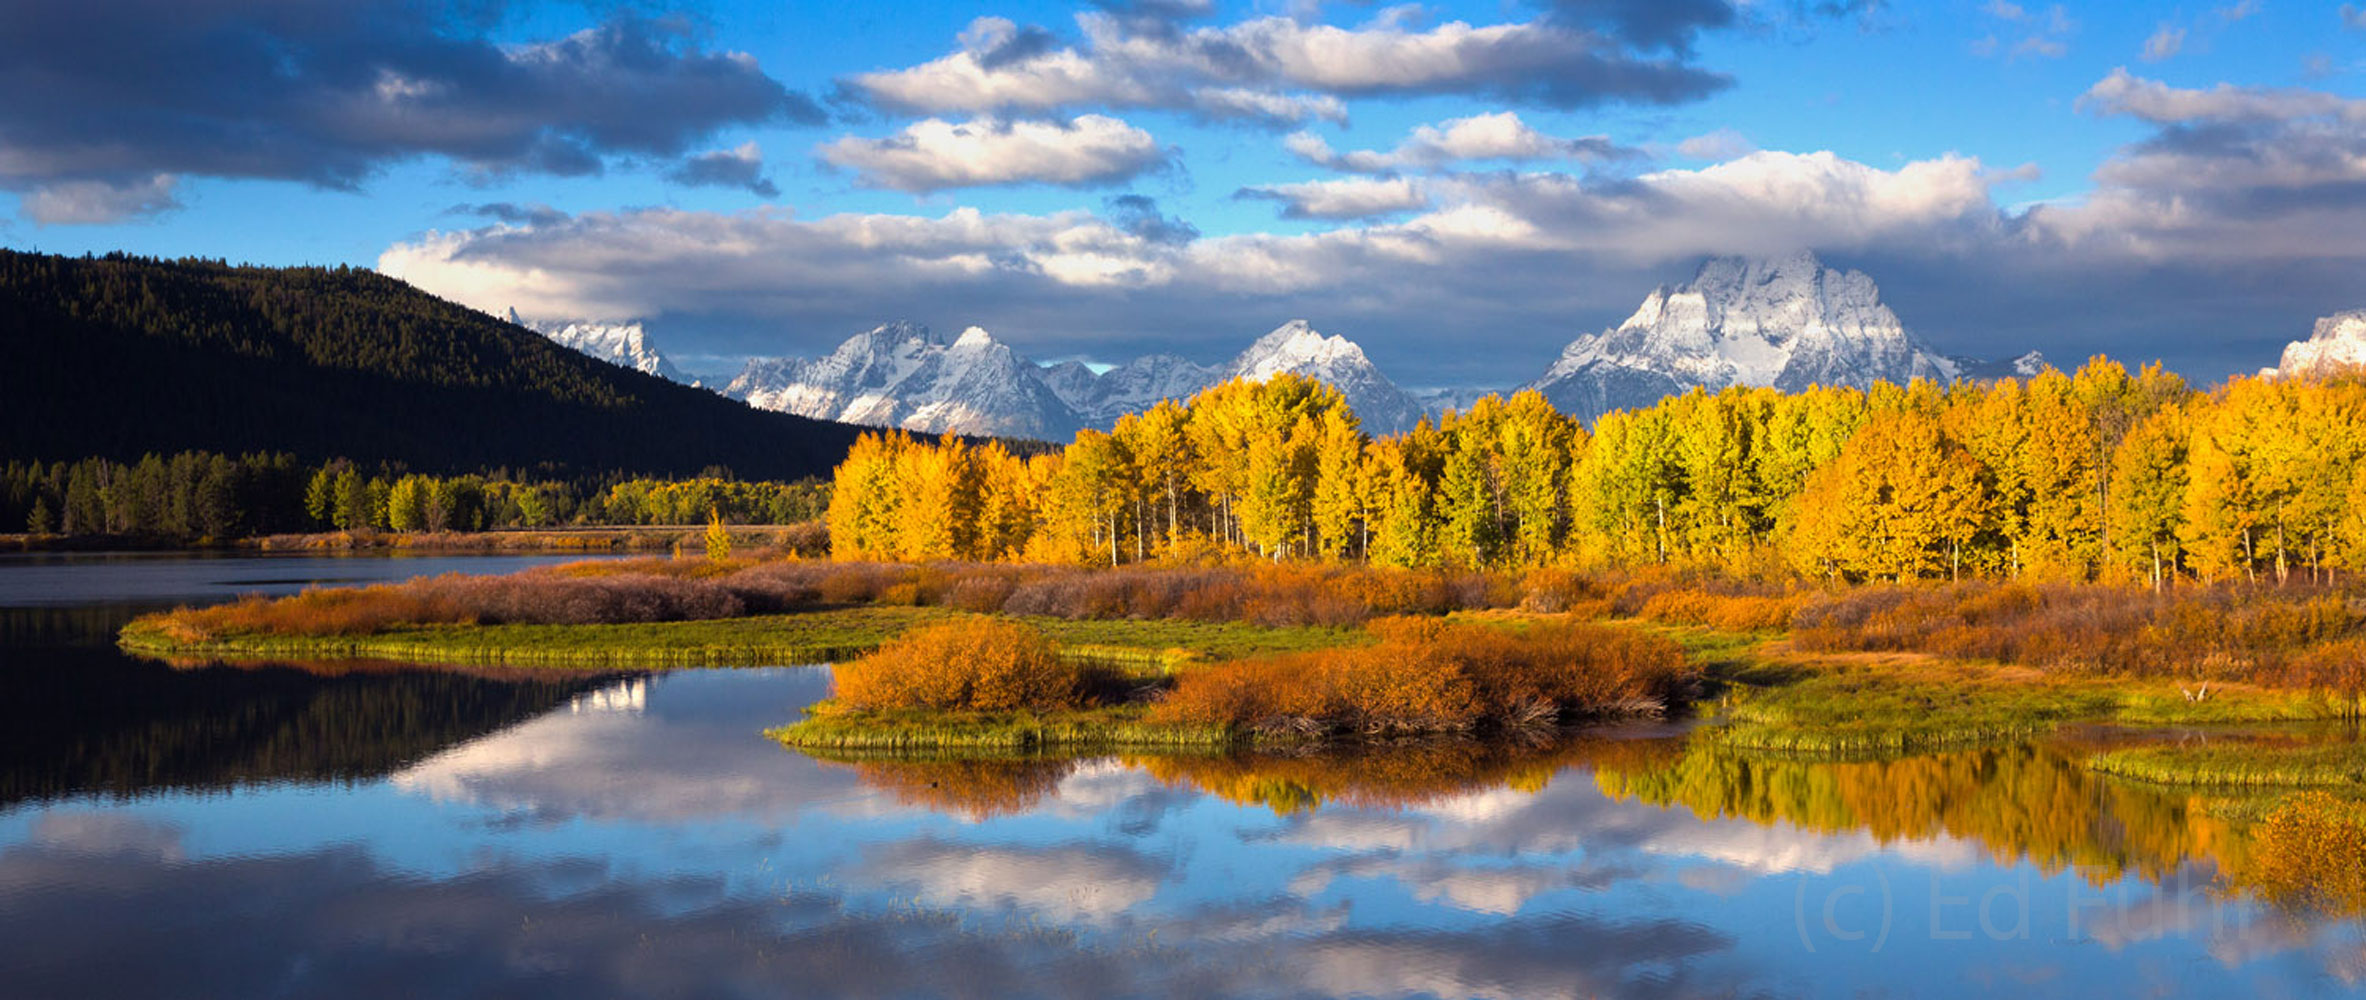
[1784, 701]
[836, 727]
[2239, 763]
[813, 636]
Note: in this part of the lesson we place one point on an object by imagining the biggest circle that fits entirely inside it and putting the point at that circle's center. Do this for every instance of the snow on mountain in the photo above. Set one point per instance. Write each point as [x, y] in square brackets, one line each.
[2028, 365]
[1788, 322]
[1132, 387]
[624, 344]
[1297, 348]
[1457, 398]
[2337, 343]
[902, 375]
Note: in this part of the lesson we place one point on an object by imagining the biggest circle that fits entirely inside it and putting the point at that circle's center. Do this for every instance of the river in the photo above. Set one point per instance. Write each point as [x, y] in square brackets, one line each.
[382, 830]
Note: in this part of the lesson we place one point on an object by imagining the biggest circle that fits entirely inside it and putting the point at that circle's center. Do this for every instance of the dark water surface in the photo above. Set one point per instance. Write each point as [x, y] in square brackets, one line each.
[376, 830]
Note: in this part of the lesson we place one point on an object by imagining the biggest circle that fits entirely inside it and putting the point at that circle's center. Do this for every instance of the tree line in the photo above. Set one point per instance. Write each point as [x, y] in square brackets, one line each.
[2098, 474]
[197, 495]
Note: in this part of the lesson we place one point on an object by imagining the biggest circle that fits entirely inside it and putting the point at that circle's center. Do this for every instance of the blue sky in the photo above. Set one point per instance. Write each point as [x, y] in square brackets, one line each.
[2184, 182]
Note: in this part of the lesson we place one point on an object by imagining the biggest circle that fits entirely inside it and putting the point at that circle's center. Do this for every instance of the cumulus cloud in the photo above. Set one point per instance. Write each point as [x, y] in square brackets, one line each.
[1512, 256]
[87, 202]
[2257, 173]
[1346, 198]
[2166, 40]
[1722, 144]
[326, 95]
[1668, 24]
[1279, 70]
[740, 167]
[934, 155]
[1138, 214]
[1497, 136]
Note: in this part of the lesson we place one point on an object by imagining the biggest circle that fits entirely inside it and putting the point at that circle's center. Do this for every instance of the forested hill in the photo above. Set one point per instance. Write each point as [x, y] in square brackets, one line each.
[121, 356]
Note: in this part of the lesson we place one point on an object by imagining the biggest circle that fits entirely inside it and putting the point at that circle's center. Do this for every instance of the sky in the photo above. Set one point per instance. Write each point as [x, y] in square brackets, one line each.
[1462, 188]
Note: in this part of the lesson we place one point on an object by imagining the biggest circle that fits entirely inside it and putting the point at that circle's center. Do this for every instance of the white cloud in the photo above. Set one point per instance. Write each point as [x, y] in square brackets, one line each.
[1722, 144]
[2234, 173]
[1264, 69]
[933, 154]
[1345, 198]
[2123, 93]
[95, 202]
[2166, 41]
[1497, 136]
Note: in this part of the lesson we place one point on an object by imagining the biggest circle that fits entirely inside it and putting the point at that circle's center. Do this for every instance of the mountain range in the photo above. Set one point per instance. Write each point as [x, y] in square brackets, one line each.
[1786, 322]
[905, 375]
[119, 356]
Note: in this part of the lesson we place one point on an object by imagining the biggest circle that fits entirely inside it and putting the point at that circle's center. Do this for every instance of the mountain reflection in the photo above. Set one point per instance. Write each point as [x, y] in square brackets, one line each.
[79, 720]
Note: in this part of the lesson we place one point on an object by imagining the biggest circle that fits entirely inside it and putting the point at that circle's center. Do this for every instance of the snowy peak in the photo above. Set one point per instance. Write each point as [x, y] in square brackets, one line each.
[2337, 343]
[1296, 348]
[1787, 322]
[625, 344]
[903, 375]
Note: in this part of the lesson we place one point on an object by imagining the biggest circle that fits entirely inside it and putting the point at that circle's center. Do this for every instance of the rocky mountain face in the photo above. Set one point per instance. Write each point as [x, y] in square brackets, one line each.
[903, 375]
[1297, 348]
[2337, 343]
[624, 344]
[1132, 387]
[1786, 322]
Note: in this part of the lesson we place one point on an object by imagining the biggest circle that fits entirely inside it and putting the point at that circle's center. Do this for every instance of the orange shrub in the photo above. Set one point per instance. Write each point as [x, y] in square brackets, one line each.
[1431, 675]
[983, 665]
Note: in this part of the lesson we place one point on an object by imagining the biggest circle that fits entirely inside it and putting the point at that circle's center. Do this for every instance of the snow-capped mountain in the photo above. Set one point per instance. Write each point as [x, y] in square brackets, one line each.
[1132, 387]
[2028, 365]
[1296, 348]
[902, 375]
[2337, 343]
[624, 344]
[1787, 322]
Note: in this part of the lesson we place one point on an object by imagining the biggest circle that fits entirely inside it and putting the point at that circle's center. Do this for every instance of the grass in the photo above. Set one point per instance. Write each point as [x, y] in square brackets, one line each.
[2259, 763]
[1783, 700]
[829, 726]
[816, 636]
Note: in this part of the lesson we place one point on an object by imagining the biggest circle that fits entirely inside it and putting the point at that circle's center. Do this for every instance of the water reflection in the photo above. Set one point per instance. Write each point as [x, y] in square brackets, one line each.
[639, 837]
[391, 830]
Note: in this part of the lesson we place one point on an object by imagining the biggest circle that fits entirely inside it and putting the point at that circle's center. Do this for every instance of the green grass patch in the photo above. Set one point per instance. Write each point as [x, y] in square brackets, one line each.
[1917, 704]
[828, 726]
[819, 636]
[2239, 764]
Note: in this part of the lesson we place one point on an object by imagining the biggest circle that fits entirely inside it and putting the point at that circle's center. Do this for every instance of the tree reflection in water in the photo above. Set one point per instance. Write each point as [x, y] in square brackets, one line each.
[2034, 802]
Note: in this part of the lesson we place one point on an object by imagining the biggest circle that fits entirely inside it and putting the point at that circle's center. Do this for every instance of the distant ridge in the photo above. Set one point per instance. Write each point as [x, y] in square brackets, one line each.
[118, 356]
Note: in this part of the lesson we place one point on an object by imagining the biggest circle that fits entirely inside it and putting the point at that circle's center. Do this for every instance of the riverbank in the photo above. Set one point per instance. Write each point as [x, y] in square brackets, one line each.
[819, 635]
[1856, 678]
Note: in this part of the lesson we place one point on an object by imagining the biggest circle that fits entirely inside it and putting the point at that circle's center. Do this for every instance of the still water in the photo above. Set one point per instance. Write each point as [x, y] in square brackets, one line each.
[377, 830]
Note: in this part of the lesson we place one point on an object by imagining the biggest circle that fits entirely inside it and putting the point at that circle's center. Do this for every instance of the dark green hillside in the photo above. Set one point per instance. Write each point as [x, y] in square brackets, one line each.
[123, 356]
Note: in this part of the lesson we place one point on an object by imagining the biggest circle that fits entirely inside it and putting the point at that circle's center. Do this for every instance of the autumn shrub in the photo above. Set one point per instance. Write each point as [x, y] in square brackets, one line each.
[537, 598]
[1555, 591]
[982, 593]
[2232, 632]
[1432, 675]
[982, 665]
